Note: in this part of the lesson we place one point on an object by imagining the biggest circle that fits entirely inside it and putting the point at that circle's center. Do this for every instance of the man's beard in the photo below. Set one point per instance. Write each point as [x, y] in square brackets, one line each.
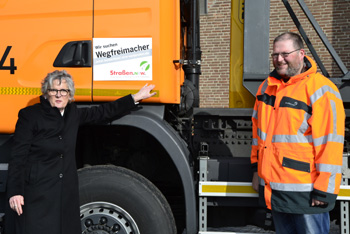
[291, 70]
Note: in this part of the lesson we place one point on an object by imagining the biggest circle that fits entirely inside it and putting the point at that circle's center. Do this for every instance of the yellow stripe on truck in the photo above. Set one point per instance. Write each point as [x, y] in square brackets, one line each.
[226, 189]
[19, 91]
[344, 193]
[78, 92]
[242, 189]
[118, 92]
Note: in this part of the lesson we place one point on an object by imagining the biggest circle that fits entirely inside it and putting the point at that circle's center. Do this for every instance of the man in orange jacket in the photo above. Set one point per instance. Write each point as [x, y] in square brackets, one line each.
[298, 135]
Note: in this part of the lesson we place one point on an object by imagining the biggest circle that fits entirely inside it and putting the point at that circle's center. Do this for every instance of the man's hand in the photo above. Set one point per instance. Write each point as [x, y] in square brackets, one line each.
[144, 93]
[255, 182]
[16, 203]
[315, 202]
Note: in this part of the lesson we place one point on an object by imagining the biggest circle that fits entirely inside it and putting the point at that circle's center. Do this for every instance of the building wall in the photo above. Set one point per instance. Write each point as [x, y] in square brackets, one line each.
[332, 15]
[215, 45]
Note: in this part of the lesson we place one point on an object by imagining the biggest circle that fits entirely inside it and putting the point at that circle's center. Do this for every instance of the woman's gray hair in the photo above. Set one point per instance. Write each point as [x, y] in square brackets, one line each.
[47, 83]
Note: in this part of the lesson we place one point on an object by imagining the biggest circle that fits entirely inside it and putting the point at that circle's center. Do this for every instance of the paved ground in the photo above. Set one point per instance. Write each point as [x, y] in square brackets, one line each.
[335, 229]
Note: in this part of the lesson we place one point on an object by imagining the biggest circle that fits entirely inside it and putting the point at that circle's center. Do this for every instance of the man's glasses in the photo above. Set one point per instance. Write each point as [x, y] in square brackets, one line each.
[54, 92]
[284, 54]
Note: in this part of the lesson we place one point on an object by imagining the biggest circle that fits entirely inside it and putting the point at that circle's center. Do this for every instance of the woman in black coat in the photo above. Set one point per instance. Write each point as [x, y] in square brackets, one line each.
[43, 182]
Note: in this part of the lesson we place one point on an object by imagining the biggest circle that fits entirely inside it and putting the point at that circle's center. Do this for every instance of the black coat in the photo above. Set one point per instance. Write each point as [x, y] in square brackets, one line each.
[42, 167]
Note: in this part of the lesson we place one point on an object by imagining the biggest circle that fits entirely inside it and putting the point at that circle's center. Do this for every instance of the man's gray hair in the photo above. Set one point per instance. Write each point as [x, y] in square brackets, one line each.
[47, 83]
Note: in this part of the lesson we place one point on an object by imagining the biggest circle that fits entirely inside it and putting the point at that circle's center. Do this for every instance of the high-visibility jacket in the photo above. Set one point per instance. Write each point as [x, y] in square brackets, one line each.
[298, 136]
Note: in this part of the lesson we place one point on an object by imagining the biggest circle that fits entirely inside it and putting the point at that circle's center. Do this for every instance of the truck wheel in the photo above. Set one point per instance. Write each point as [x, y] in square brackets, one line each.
[118, 200]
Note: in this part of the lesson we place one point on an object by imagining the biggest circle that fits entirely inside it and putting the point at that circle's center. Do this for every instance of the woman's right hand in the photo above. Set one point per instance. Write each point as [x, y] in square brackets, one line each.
[144, 93]
[16, 203]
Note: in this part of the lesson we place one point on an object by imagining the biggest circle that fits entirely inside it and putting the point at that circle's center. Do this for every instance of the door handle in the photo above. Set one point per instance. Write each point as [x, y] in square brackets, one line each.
[74, 54]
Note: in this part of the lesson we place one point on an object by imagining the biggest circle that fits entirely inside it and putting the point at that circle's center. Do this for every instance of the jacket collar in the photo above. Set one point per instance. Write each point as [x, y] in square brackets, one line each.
[310, 68]
[47, 106]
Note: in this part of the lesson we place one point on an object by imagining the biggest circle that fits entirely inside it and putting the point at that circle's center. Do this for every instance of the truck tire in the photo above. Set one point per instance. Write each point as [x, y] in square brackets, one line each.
[115, 198]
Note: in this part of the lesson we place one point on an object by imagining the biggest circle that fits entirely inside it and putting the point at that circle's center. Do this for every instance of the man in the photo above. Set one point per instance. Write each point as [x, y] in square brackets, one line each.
[298, 134]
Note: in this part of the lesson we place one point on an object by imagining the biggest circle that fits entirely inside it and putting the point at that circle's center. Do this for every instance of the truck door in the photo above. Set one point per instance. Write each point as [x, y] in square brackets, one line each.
[135, 42]
[32, 35]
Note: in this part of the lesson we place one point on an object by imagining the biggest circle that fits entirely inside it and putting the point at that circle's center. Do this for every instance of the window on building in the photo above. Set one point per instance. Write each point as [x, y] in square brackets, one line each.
[203, 7]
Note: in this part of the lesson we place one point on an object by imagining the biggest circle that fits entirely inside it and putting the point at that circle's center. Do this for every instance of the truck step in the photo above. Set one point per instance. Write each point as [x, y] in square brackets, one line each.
[209, 232]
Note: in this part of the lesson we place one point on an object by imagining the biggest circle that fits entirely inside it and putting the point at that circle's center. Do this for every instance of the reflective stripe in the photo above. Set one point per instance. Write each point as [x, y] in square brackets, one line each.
[292, 139]
[255, 114]
[304, 125]
[334, 111]
[254, 141]
[262, 134]
[261, 181]
[333, 169]
[307, 139]
[292, 187]
[4, 166]
[330, 137]
[264, 87]
[299, 138]
[321, 91]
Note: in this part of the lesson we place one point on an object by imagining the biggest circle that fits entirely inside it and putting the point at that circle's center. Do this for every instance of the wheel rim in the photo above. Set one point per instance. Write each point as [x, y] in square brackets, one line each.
[106, 218]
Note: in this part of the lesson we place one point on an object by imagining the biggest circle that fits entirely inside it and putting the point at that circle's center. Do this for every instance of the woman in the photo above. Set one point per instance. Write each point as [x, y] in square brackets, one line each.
[43, 183]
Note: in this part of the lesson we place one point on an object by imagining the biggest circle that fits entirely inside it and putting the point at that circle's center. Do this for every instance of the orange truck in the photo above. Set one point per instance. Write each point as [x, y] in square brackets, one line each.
[183, 168]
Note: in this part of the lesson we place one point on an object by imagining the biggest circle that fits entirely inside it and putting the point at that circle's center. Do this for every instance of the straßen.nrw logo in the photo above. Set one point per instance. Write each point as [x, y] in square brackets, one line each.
[145, 65]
